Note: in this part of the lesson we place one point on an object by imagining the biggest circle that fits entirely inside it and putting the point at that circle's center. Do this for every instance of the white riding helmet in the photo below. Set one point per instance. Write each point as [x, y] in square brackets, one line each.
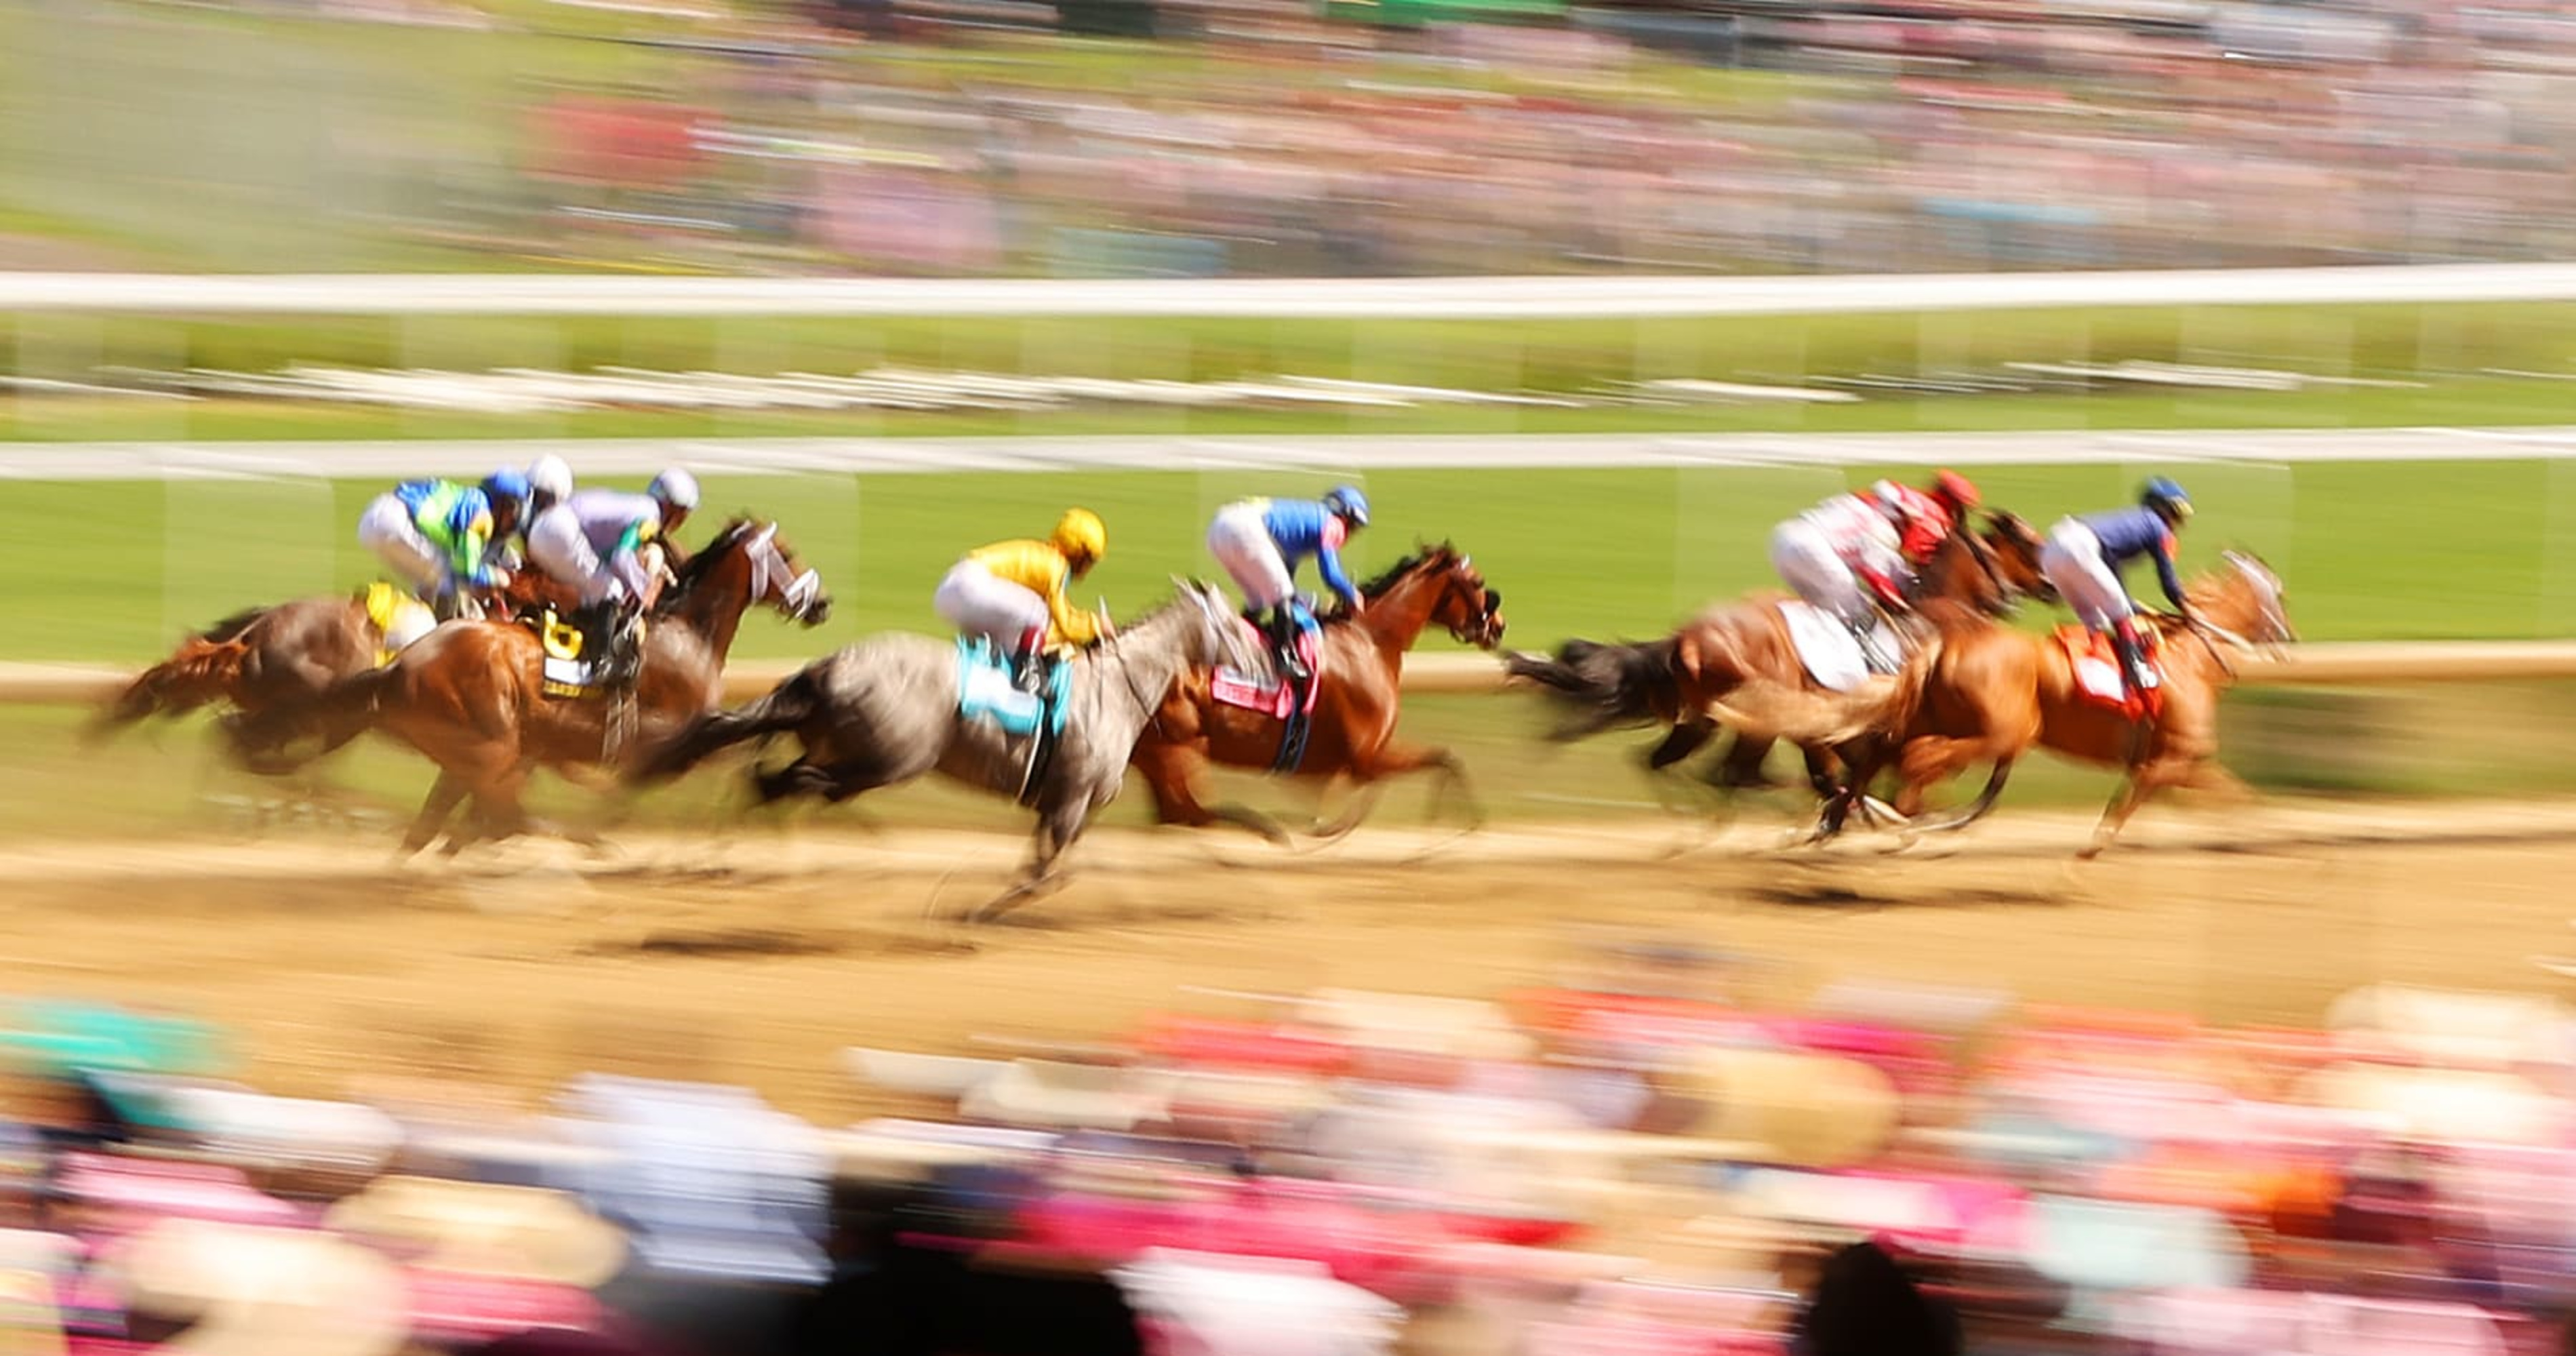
[676, 488]
[551, 478]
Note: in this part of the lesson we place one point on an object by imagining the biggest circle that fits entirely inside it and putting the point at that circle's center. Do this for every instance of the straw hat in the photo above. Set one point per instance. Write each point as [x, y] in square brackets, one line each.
[245, 1291]
[1812, 1110]
[520, 1232]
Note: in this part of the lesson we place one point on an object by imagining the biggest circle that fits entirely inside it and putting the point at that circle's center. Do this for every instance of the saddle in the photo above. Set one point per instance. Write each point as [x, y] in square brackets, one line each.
[1277, 693]
[2097, 671]
[398, 617]
[988, 690]
[1833, 655]
[583, 654]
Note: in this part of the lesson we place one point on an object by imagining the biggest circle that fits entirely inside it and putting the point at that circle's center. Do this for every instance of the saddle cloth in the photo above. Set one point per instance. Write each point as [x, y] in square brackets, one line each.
[1269, 692]
[985, 691]
[1827, 648]
[2097, 668]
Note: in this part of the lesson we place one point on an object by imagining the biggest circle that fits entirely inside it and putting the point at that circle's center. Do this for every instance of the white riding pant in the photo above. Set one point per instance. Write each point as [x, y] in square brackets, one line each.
[2072, 560]
[979, 603]
[386, 528]
[557, 545]
[1809, 563]
[1241, 542]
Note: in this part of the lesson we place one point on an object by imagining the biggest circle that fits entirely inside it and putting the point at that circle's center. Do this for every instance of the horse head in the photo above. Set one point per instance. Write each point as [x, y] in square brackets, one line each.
[2259, 605]
[1460, 600]
[1962, 571]
[2012, 548]
[749, 555]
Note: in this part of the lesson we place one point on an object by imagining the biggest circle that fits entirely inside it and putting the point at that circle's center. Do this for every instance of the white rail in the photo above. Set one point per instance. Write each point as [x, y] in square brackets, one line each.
[1479, 298]
[2353, 664]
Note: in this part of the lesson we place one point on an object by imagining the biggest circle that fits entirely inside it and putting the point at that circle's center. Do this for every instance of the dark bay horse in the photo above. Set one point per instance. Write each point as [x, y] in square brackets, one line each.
[1987, 693]
[1673, 681]
[470, 695]
[885, 711]
[1357, 699]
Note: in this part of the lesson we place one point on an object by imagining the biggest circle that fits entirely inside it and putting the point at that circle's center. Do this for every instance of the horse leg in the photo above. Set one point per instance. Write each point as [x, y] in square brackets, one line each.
[1970, 813]
[1057, 829]
[1395, 759]
[444, 795]
[2142, 782]
[1741, 768]
[1172, 775]
[1678, 743]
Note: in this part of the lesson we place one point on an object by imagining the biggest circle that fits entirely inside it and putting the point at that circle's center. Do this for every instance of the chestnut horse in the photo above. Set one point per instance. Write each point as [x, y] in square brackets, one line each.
[1984, 693]
[469, 695]
[1358, 697]
[1673, 681]
[284, 654]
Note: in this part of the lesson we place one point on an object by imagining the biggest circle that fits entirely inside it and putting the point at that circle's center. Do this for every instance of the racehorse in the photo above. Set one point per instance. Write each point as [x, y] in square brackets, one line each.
[282, 654]
[885, 711]
[1357, 697]
[471, 695]
[1985, 693]
[1673, 681]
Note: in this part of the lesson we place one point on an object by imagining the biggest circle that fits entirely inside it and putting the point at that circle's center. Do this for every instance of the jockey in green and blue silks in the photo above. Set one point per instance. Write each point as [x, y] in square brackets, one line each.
[437, 536]
[1261, 541]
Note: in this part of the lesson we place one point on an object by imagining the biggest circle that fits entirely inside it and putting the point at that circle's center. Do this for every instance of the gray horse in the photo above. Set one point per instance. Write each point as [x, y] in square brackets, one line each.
[883, 711]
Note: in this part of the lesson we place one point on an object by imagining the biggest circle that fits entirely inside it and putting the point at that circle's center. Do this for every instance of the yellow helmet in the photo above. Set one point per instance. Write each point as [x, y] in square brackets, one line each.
[1081, 536]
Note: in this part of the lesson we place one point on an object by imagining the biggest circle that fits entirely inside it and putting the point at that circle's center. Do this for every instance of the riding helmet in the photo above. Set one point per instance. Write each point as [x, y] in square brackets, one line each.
[1082, 537]
[676, 488]
[1956, 490]
[2167, 499]
[507, 486]
[1348, 504]
[550, 479]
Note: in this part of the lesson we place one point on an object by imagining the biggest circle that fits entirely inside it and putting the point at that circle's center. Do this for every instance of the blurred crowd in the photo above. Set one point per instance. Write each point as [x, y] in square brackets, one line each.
[1967, 135]
[1652, 1159]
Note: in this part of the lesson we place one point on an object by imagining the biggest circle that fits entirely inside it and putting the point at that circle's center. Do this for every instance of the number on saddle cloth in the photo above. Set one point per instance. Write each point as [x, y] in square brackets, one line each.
[985, 691]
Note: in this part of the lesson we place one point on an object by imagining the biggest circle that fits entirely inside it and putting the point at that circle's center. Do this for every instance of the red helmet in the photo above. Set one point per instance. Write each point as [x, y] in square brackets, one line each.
[1956, 489]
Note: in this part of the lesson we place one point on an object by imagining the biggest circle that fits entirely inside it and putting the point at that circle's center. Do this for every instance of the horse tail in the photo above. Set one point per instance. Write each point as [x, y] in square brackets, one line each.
[203, 671]
[333, 716]
[1600, 685]
[787, 706]
[1769, 709]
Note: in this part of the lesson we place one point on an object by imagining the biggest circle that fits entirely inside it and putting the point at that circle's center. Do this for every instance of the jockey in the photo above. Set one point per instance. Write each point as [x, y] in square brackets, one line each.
[1261, 541]
[1925, 518]
[1839, 554]
[1012, 593]
[549, 483]
[592, 542]
[2084, 555]
[437, 536]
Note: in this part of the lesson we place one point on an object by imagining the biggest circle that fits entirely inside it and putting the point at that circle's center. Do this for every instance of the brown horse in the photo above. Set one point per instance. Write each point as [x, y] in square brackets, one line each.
[1984, 693]
[470, 695]
[1673, 681]
[1356, 701]
[285, 654]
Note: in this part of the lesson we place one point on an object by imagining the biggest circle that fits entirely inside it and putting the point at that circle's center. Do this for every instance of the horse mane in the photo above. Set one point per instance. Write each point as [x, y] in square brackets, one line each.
[692, 569]
[1393, 574]
[230, 628]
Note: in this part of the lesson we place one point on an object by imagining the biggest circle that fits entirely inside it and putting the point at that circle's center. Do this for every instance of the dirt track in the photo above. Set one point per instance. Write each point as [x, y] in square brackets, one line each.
[758, 956]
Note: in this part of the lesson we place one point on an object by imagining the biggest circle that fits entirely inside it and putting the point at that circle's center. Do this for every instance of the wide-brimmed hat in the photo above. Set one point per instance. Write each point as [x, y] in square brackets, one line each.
[520, 1232]
[249, 1291]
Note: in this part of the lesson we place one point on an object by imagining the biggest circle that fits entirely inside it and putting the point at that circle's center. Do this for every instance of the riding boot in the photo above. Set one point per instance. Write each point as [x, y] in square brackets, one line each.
[1285, 631]
[2132, 654]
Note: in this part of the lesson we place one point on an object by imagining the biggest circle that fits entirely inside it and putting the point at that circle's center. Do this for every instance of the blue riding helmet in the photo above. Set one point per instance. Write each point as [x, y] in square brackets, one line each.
[2167, 498]
[508, 486]
[1348, 504]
